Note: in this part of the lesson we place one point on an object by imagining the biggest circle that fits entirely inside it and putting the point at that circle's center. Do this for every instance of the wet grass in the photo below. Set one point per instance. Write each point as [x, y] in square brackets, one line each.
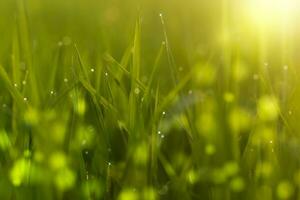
[145, 100]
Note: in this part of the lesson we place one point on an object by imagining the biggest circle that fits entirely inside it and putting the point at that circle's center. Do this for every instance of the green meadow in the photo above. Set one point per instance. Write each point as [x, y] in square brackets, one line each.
[149, 100]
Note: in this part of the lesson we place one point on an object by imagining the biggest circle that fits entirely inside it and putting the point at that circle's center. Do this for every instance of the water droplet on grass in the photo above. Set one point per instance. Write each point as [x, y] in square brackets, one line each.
[25, 99]
[136, 90]
[285, 67]
[92, 70]
[16, 85]
[158, 132]
[24, 82]
[66, 80]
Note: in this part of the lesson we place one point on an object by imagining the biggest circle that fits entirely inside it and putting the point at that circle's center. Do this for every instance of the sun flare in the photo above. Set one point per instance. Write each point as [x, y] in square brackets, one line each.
[273, 12]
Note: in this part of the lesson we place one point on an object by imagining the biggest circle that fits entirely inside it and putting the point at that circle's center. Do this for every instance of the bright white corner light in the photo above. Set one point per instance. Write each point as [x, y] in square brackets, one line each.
[272, 12]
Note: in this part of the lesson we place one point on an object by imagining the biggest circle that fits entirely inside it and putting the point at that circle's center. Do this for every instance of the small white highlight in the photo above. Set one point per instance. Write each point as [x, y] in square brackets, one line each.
[136, 90]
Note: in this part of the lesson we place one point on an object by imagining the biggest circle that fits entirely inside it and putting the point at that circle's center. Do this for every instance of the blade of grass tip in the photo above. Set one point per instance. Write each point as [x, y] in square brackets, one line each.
[53, 72]
[166, 165]
[82, 67]
[170, 57]
[117, 78]
[126, 57]
[118, 73]
[154, 144]
[152, 75]
[65, 91]
[17, 97]
[25, 44]
[110, 59]
[98, 76]
[15, 59]
[84, 80]
[96, 97]
[175, 91]
[134, 71]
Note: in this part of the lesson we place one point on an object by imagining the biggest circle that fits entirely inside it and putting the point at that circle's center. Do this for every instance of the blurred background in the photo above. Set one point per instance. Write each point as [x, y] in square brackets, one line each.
[229, 121]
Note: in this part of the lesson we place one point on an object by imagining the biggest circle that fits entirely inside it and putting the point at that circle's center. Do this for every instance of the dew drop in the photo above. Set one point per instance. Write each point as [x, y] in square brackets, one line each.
[136, 90]
[66, 80]
[190, 92]
[25, 99]
[106, 74]
[158, 132]
[285, 67]
[164, 113]
[16, 85]
[24, 82]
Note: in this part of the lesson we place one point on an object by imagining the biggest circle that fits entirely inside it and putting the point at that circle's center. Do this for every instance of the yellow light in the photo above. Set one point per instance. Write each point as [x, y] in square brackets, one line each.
[273, 12]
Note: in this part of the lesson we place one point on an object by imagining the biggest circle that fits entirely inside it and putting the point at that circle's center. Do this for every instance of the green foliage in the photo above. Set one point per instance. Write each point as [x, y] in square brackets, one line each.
[141, 100]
